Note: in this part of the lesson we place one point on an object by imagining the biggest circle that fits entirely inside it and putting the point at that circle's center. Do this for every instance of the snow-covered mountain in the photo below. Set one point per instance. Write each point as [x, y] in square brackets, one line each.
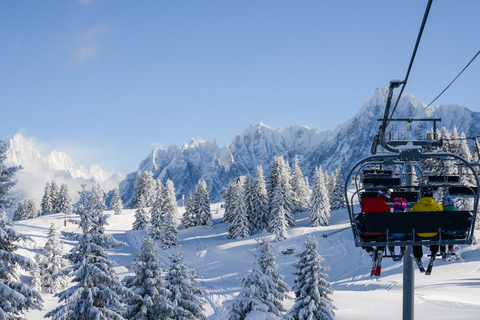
[258, 144]
[38, 170]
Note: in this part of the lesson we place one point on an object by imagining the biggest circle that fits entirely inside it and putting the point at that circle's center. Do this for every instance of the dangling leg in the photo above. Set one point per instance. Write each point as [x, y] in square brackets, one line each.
[433, 250]
[417, 255]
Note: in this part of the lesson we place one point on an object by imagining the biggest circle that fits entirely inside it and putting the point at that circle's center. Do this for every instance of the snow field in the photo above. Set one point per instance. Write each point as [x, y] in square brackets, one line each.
[452, 291]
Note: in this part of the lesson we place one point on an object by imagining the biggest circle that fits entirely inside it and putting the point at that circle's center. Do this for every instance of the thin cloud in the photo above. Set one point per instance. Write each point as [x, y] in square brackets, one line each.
[88, 47]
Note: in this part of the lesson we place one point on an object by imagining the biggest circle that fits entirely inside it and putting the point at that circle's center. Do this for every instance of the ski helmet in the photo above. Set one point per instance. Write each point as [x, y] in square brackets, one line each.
[448, 201]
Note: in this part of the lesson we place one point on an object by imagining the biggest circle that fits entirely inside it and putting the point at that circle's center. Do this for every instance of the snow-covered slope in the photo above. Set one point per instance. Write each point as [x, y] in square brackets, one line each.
[452, 291]
[38, 170]
[258, 144]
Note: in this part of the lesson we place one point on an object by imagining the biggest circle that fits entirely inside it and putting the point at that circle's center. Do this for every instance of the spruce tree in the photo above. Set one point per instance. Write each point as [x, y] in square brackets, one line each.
[240, 226]
[6, 179]
[260, 202]
[168, 216]
[338, 196]
[284, 194]
[190, 214]
[51, 263]
[26, 209]
[116, 204]
[320, 204]
[248, 201]
[82, 203]
[97, 292]
[64, 202]
[156, 220]
[229, 196]
[201, 202]
[312, 290]
[54, 191]
[301, 191]
[137, 190]
[183, 293]
[263, 288]
[141, 216]
[149, 188]
[46, 203]
[149, 301]
[16, 298]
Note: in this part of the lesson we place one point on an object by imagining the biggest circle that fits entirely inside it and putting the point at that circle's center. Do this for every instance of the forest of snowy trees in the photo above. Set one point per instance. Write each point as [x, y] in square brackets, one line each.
[84, 279]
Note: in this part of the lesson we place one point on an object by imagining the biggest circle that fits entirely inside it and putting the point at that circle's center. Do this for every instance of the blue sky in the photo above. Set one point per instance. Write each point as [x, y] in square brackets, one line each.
[106, 81]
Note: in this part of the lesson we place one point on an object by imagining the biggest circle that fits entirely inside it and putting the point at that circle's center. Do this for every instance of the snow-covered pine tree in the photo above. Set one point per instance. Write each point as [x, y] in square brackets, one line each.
[201, 201]
[312, 290]
[285, 188]
[46, 203]
[248, 201]
[278, 224]
[260, 202]
[54, 191]
[240, 226]
[98, 292]
[16, 298]
[170, 201]
[266, 262]
[64, 202]
[168, 217]
[116, 203]
[141, 216]
[26, 209]
[273, 178]
[282, 201]
[6, 179]
[338, 195]
[263, 288]
[137, 191]
[150, 188]
[149, 301]
[320, 204]
[184, 295]
[82, 203]
[301, 191]
[190, 214]
[51, 263]
[155, 227]
[229, 196]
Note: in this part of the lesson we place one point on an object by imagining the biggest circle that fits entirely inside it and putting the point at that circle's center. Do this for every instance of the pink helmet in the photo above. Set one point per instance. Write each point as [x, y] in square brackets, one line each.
[399, 204]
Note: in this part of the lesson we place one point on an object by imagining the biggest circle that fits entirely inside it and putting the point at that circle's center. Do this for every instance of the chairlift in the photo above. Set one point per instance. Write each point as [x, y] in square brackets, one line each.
[461, 223]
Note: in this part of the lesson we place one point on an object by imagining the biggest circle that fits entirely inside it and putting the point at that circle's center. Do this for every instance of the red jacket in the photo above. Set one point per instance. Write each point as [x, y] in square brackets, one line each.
[378, 204]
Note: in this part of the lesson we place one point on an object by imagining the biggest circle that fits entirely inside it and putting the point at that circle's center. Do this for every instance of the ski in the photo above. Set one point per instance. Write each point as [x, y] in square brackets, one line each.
[374, 265]
[378, 269]
[420, 265]
[430, 264]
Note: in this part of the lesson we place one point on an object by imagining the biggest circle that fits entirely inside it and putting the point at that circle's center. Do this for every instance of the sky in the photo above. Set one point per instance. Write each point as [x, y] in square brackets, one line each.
[106, 81]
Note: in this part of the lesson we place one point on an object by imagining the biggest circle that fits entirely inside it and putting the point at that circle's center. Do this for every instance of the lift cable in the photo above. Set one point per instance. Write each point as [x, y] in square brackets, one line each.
[427, 10]
[478, 53]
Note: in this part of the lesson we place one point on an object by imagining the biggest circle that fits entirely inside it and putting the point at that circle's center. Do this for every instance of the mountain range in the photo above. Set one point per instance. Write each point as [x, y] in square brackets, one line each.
[38, 170]
[256, 146]
[259, 144]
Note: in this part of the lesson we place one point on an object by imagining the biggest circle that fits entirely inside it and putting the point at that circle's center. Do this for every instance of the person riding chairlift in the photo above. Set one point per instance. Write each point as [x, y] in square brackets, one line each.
[373, 205]
[426, 203]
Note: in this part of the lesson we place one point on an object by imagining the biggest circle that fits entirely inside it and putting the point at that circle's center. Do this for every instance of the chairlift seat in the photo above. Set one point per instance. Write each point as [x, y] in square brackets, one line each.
[410, 196]
[462, 191]
[443, 179]
[378, 182]
[418, 222]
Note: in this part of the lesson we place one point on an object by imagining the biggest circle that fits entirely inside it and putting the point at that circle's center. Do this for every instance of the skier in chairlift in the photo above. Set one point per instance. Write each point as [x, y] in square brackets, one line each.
[426, 203]
[399, 205]
[376, 204]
